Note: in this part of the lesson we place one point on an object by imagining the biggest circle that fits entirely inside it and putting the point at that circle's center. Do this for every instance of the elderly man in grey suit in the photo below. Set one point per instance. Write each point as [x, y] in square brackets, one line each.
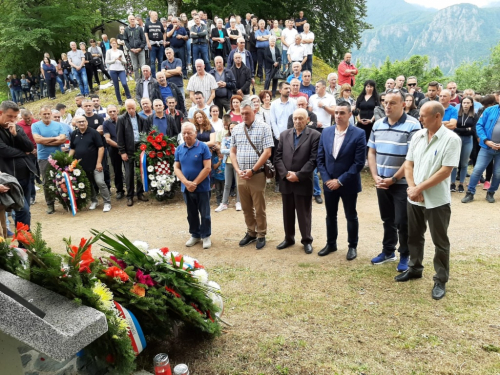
[295, 162]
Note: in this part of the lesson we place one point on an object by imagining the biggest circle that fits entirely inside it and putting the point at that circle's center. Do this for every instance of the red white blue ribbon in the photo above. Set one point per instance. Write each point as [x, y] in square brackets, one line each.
[135, 333]
[71, 193]
[143, 165]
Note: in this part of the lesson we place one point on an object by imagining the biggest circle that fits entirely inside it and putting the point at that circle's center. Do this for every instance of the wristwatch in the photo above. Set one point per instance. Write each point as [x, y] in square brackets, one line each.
[253, 172]
[394, 180]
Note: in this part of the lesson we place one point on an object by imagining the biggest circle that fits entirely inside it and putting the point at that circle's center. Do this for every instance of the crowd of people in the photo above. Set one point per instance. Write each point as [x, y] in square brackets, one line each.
[234, 142]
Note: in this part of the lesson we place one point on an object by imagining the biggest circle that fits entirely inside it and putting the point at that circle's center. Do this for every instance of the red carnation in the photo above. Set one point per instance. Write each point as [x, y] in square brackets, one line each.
[150, 139]
[143, 147]
[158, 147]
[160, 154]
[167, 153]
[161, 135]
[158, 138]
[163, 143]
[152, 154]
[151, 132]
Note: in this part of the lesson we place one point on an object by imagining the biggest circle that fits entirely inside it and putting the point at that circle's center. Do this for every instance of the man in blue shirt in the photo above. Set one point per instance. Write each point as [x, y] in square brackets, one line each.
[162, 121]
[178, 37]
[49, 136]
[450, 117]
[172, 68]
[165, 89]
[192, 167]
[109, 129]
[262, 36]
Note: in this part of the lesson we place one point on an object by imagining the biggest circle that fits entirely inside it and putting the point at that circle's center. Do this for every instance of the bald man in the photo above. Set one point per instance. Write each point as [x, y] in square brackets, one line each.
[435, 150]
[295, 162]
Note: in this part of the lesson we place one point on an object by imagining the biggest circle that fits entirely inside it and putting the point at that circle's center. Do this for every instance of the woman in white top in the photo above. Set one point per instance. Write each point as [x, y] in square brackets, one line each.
[116, 60]
[214, 119]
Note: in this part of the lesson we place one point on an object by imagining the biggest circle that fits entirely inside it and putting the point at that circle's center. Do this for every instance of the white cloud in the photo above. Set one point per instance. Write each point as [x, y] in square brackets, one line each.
[446, 3]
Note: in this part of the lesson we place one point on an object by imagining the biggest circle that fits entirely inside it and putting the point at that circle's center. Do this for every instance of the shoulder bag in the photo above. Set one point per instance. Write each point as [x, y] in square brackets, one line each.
[269, 170]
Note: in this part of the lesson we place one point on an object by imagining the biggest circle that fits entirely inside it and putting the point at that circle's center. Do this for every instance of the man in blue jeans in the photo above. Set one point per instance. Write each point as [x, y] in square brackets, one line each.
[193, 163]
[76, 59]
[488, 131]
[200, 42]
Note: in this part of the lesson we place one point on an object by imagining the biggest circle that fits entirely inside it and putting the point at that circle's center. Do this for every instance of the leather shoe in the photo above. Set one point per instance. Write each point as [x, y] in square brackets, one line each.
[326, 250]
[407, 275]
[308, 249]
[119, 195]
[439, 290]
[261, 242]
[130, 202]
[247, 239]
[142, 198]
[318, 199]
[285, 244]
[352, 253]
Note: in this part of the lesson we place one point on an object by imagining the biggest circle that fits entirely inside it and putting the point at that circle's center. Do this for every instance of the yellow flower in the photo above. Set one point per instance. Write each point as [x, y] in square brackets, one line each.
[2, 239]
[104, 294]
[115, 337]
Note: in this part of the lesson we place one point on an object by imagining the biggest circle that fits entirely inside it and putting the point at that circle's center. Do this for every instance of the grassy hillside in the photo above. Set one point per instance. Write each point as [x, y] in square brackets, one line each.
[107, 96]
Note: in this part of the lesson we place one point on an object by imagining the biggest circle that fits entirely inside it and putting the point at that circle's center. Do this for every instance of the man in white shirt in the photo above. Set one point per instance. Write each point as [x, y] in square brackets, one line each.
[308, 43]
[297, 53]
[200, 105]
[323, 106]
[287, 39]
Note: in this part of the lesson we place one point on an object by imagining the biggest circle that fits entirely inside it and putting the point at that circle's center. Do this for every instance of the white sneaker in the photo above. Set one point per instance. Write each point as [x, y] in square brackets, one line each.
[207, 243]
[107, 207]
[238, 206]
[222, 207]
[93, 205]
[192, 241]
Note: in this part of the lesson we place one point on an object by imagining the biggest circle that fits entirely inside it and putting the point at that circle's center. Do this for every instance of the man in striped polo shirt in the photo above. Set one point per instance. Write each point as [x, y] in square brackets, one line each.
[388, 145]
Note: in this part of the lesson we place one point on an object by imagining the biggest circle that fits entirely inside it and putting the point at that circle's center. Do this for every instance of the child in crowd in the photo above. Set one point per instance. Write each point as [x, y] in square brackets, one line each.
[226, 121]
[218, 176]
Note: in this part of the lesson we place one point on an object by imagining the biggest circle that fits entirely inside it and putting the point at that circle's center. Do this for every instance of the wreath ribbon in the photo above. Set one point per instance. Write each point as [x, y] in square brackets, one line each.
[144, 170]
[71, 193]
[137, 339]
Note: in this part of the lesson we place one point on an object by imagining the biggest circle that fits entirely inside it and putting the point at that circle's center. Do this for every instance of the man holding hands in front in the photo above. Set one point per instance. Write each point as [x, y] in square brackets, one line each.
[295, 162]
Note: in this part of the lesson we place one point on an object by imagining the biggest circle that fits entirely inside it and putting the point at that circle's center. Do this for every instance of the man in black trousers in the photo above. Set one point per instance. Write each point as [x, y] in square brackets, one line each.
[295, 162]
[128, 129]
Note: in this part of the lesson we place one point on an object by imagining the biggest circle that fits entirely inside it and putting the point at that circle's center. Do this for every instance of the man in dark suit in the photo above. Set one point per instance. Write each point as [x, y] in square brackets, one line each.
[128, 127]
[295, 162]
[341, 157]
[15, 151]
[272, 62]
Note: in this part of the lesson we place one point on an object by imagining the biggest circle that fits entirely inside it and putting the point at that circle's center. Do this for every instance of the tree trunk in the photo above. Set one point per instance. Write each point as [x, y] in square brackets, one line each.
[174, 7]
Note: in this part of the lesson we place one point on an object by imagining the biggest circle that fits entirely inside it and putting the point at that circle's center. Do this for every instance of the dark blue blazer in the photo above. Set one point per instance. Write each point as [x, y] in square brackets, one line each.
[350, 159]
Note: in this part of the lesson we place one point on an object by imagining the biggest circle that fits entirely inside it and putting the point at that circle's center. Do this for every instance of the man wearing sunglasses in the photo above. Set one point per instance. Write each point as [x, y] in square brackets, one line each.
[411, 86]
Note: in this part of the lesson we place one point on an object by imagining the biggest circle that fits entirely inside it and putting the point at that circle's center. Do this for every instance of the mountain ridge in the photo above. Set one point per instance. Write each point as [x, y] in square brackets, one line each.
[450, 36]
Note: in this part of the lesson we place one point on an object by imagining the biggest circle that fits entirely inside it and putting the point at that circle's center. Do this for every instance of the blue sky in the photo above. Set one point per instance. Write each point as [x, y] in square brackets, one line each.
[446, 3]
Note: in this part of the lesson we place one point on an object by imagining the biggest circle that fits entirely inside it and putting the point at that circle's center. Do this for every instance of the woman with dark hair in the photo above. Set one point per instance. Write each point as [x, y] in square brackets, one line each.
[206, 132]
[379, 111]
[235, 111]
[266, 97]
[366, 103]
[215, 120]
[97, 61]
[50, 74]
[466, 129]
[410, 107]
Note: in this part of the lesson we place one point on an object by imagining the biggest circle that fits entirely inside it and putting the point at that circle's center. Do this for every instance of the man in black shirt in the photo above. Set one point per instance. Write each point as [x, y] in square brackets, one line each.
[411, 85]
[299, 22]
[109, 128]
[86, 145]
[15, 151]
[176, 114]
[95, 122]
[156, 40]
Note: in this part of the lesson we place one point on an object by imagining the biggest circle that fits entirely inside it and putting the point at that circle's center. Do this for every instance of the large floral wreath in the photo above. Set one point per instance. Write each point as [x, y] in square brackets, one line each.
[63, 167]
[159, 151]
[161, 288]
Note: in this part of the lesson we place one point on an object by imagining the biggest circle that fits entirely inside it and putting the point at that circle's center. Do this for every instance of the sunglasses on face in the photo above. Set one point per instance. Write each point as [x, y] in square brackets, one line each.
[412, 84]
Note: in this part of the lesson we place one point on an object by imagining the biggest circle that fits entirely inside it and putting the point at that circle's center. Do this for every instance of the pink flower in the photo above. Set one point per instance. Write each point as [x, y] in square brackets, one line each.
[120, 263]
[144, 279]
